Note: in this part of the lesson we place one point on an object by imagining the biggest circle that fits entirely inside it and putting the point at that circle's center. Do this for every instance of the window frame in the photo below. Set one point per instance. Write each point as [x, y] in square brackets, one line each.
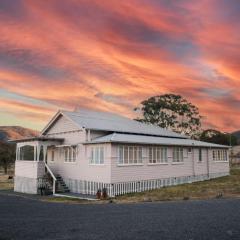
[70, 154]
[179, 152]
[157, 155]
[97, 156]
[133, 151]
[220, 156]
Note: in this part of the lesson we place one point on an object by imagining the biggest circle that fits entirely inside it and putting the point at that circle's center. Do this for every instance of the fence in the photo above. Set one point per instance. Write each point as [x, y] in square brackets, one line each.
[115, 189]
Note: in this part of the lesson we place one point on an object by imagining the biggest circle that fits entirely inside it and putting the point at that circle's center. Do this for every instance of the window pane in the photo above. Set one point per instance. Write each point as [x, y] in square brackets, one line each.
[154, 154]
[166, 156]
[130, 155]
[120, 154]
[101, 155]
[125, 154]
[27, 153]
[65, 154]
[159, 155]
[140, 157]
[92, 156]
[135, 154]
[52, 157]
[97, 156]
[74, 149]
[150, 155]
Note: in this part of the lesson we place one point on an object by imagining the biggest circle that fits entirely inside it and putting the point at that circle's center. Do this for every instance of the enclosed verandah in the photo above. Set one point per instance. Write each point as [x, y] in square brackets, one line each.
[31, 163]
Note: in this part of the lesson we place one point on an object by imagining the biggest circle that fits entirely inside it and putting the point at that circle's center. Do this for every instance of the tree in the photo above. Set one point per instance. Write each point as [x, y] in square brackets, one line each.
[7, 155]
[214, 136]
[172, 112]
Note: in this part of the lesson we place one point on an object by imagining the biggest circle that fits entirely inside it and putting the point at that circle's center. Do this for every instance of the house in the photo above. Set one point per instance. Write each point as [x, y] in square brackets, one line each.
[235, 155]
[84, 151]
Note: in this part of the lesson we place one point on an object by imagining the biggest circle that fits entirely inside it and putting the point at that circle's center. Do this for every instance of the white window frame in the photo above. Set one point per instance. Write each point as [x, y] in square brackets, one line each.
[70, 154]
[129, 155]
[157, 155]
[178, 157]
[220, 155]
[97, 155]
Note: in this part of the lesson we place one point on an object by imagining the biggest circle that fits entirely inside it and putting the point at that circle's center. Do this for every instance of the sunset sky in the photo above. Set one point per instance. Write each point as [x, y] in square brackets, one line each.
[111, 55]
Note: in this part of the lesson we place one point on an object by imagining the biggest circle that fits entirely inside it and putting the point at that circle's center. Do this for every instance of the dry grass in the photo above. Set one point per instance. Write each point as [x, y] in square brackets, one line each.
[228, 186]
[5, 183]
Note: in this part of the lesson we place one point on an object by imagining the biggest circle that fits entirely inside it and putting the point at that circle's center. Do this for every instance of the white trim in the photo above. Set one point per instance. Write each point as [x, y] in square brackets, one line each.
[152, 164]
[221, 161]
[129, 165]
[60, 112]
[177, 163]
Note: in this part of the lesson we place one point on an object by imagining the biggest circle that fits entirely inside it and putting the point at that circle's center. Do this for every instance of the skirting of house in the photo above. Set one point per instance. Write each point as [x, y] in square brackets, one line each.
[115, 189]
[25, 185]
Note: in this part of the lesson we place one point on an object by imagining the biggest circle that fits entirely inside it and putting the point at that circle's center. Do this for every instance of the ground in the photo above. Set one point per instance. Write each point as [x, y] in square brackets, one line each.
[23, 218]
[224, 187]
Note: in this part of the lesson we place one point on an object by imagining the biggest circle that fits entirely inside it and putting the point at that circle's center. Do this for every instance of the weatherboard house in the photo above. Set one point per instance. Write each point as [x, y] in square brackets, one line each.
[86, 151]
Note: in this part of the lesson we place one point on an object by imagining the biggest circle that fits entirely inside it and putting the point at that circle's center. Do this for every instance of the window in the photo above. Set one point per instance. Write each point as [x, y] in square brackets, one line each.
[27, 153]
[52, 155]
[189, 150]
[157, 155]
[220, 155]
[177, 154]
[97, 155]
[200, 155]
[70, 154]
[129, 155]
[41, 154]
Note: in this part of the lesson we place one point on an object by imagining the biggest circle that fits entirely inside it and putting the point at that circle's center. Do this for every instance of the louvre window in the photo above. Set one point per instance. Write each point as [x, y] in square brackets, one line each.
[157, 155]
[220, 155]
[70, 154]
[177, 154]
[129, 155]
[97, 156]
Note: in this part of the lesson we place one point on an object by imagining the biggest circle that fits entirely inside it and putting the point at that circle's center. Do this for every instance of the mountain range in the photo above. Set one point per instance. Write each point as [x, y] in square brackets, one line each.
[15, 132]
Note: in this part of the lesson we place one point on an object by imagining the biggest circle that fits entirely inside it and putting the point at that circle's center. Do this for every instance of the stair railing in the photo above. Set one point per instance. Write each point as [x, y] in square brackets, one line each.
[53, 177]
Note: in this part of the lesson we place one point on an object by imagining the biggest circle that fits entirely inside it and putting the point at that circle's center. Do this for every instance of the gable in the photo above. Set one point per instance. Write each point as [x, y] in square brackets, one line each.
[59, 125]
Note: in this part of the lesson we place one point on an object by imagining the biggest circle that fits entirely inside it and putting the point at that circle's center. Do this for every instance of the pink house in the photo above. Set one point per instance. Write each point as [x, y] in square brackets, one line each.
[85, 151]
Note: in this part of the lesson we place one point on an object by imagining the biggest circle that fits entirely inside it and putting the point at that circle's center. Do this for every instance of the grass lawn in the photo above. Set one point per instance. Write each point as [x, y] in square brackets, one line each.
[225, 187]
[228, 186]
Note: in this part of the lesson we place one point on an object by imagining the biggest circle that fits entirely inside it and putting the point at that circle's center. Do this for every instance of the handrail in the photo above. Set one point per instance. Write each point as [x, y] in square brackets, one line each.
[50, 171]
[54, 178]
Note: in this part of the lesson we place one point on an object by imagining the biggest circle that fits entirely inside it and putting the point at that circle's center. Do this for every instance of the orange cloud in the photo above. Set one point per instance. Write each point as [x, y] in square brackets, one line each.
[111, 55]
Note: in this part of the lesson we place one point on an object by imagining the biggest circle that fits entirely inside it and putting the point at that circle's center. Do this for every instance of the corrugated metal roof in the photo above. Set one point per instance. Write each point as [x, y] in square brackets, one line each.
[140, 139]
[112, 122]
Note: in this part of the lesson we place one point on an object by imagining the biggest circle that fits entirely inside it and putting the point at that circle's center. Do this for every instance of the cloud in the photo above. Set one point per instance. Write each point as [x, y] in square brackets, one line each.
[111, 55]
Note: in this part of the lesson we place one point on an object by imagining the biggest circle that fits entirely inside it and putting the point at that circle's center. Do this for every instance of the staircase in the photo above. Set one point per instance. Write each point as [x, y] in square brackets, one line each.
[61, 187]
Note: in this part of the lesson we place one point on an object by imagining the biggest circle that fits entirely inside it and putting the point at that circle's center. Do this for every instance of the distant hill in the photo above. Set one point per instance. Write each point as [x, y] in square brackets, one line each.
[237, 135]
[15, 132]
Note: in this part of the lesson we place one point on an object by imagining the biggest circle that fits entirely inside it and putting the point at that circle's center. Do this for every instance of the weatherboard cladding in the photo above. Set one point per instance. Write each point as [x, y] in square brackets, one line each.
[114, 123]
